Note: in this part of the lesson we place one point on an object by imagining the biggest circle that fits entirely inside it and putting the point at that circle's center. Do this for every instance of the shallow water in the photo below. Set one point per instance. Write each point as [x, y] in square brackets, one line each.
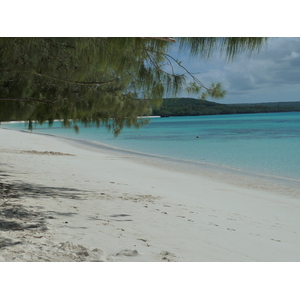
[263, 144]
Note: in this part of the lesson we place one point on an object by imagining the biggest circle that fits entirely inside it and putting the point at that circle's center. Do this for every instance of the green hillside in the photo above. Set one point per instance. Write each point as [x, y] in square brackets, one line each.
[195, 107]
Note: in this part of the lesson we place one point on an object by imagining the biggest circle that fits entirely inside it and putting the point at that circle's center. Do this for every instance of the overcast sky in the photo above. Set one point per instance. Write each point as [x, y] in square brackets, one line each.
[271, 75]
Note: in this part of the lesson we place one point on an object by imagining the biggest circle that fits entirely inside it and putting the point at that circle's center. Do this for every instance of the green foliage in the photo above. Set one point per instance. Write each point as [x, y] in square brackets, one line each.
[228, 46]
[110, 81]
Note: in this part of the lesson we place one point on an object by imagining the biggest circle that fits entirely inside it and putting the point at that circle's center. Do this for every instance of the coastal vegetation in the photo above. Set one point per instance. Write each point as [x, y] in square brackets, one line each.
[196, 107]
[103, 79]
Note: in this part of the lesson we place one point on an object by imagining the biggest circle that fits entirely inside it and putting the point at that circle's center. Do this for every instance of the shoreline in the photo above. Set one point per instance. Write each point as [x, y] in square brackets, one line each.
[102, 206]
[226, 174]
[285, 186]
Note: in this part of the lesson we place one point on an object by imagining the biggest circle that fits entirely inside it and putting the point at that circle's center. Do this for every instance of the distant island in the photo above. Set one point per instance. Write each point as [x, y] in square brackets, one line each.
[196, 107]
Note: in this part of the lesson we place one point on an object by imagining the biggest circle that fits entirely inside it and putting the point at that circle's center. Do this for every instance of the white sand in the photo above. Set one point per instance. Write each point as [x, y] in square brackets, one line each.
[103, 206]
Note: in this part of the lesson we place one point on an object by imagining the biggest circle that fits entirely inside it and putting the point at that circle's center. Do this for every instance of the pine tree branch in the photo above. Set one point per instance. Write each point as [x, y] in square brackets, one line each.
[58, 44]
[156, 65]
[188, 72]
[167, 56]
[27, 99]
[75, 82]
[165, 39]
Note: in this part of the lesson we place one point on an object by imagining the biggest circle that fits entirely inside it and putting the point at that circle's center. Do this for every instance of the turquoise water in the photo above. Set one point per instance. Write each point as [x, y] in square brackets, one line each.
[267, 144]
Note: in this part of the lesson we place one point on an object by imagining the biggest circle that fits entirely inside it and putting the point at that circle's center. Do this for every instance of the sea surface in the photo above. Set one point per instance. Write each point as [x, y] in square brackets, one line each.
[259, 144]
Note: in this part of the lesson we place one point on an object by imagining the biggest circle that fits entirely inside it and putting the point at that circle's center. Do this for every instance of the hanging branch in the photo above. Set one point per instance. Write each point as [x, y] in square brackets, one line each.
[75, 82]
[165, 39]
[59, 44]
[167, 56]
[27, 99]
[188, 72]
[156, 65]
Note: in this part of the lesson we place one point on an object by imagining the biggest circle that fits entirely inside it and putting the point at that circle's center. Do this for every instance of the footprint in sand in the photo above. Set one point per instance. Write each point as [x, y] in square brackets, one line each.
[167, 256]
[212, 216]
[127, 252]
[231, 229]
[276, 240]
[214, 224]
[145, 241]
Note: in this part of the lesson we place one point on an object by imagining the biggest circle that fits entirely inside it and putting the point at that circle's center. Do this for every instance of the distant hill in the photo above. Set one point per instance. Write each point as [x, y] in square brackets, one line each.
[195, 107]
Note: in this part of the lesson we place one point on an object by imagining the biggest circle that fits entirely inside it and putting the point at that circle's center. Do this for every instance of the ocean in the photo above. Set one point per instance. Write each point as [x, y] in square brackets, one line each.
[266, 145]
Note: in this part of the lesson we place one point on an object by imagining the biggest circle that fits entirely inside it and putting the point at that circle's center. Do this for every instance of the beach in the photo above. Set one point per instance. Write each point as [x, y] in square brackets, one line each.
[63, 201]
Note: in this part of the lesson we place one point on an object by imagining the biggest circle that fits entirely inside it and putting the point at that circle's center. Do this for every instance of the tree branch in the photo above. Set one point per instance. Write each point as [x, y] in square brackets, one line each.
[194, 78]
[27, 99]
[75, 82]
[58, 44]
[166, 39]
[158, 67]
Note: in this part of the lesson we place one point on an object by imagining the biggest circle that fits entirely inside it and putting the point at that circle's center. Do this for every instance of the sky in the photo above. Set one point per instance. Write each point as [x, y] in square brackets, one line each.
[271, 75]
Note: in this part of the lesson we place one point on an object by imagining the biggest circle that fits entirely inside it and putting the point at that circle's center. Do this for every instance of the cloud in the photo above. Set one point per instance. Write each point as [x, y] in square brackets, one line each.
[273, 72]
[278, 65]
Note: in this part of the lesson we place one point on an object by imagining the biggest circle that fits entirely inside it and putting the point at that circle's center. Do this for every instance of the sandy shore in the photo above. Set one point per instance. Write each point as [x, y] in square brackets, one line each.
[63, 202]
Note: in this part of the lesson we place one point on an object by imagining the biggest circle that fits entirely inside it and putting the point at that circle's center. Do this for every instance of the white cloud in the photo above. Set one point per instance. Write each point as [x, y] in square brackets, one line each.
[270, 75]
[292, 56]
[277, 66]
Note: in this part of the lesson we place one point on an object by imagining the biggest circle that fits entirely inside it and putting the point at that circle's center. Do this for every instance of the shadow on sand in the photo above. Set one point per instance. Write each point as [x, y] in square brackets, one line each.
[14, 216]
